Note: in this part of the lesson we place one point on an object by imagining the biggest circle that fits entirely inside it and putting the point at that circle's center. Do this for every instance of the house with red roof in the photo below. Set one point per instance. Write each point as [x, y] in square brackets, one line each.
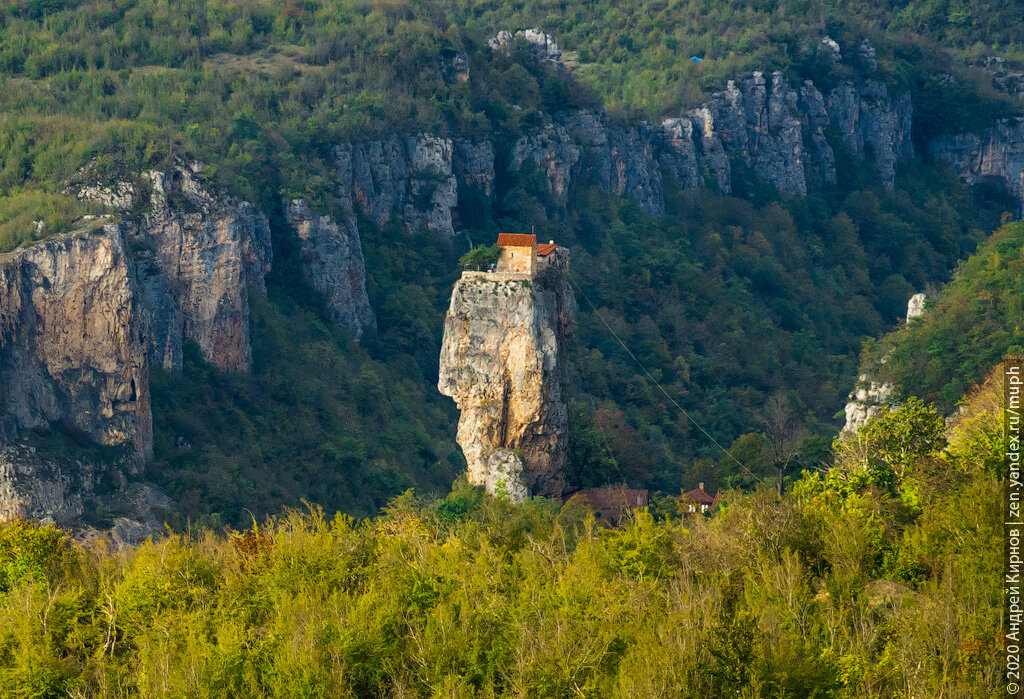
[698, 500]
[520, 253]
[611, 502]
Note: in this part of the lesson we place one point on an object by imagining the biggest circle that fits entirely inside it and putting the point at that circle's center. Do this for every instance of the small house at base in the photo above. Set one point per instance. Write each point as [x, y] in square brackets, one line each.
[697, 500]
[520, 253]
[611, 503]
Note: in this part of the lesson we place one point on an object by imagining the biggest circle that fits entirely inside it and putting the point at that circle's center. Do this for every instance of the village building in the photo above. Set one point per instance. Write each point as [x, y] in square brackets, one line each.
[610, 503]
[698, 500]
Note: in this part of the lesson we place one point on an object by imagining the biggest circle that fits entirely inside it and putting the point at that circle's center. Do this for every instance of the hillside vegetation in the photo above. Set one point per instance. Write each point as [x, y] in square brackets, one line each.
[857, 583]
[974, 321]
[729, 302]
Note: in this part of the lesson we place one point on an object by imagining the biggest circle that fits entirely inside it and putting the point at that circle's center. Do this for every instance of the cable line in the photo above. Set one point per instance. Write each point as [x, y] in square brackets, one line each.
[652, 379]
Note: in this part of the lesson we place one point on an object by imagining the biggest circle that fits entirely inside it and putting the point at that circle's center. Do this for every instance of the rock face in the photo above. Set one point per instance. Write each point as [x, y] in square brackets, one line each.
[995, 154]
[553, 153]
[196, 257]
[868, 116]
[775, 130]
[865, 401]
[82, 317]
[207, 253]
[332, 263]
[915, 306]
[543, 44]
[871, 394]
[503, 360]
[71, 347]
[780, 132]
[72, 353]
[412, 178]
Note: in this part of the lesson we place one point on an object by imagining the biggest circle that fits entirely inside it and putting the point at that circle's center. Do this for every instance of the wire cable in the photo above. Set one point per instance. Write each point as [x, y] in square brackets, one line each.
[681, 409]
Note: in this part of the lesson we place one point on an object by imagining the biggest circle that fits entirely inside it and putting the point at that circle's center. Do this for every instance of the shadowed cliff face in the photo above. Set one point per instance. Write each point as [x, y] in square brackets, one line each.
[71, 352]
[197, 256]
[994, 154]
[332, 263]
[504, 362]
[776, 130]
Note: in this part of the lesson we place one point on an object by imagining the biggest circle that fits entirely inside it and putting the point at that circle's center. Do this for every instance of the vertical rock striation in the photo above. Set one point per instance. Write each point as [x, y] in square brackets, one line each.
[332, 263]
[71, 350]
[504, 362]
[413, 178]
[994, 154]
[206, 253]
[196, 258]
[869, 118]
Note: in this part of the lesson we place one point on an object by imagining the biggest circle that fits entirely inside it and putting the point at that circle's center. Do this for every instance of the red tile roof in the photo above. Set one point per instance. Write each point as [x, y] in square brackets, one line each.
[698, 496]
[516, 240]
[545, 249]
[613, 501]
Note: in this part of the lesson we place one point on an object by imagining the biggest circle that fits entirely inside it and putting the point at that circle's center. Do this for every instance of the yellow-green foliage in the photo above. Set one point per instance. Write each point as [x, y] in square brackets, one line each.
[19, 214]
[842, 588]
[39, 156]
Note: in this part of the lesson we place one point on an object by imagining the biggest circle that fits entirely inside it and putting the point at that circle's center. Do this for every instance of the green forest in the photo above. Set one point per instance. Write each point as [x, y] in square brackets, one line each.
[729, 301]
[857, 582]
[324, 541]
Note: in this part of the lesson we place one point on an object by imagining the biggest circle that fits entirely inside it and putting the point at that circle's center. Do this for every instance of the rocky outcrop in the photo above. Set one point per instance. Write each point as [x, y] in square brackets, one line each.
[775, 131]
[411, 178]
[332, 263]
[780, 132]
[994, 154]
[872, 394]
[760, 123]
[71, 344]
[820, 161]
[503, 361]
[582, 146]
[915, 306]
[554, 153]
[53, 487]
[865, 401]
[206, 253]
[544, 45]
[454, 67]
[72, 357]
[869, 118]
[680, 156]
[473, 164]
[196, 257]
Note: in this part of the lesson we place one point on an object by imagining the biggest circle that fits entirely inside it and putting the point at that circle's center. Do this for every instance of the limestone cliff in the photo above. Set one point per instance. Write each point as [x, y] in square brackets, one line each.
[994, 154]
[332, 263]
[72, 355]
[504, 362]
[784, 134]
[71, 347]
[83, 316]
[197, 255]
[412, 178]
[871, 393]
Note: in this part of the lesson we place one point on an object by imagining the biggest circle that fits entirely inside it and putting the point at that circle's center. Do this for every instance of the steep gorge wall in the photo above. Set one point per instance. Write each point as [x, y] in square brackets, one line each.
[504, 362]
[777, 131]
[71, 346]
[84, 316]
[72, 352]
[332, 263]
[996, 153]
[197, 256]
